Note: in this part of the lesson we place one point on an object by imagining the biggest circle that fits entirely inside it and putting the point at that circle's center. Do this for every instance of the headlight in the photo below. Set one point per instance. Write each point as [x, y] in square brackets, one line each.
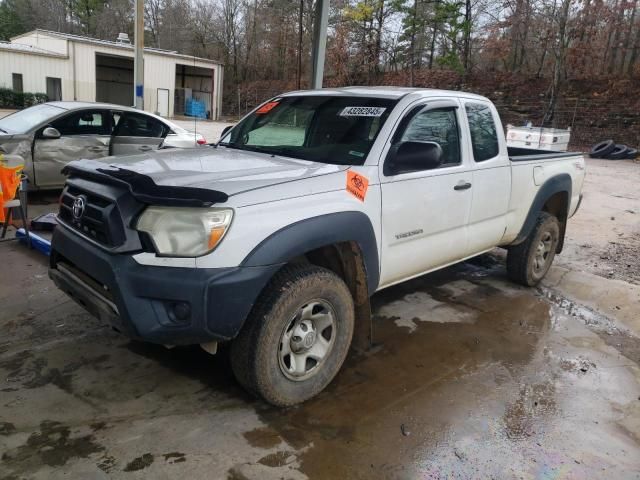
[185, 232]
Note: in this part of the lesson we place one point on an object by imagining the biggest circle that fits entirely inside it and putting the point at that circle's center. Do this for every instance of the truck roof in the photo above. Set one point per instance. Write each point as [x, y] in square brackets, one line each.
[385, 92]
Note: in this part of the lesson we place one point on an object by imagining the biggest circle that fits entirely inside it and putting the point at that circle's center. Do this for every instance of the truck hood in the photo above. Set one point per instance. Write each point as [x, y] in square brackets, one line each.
[221, 169]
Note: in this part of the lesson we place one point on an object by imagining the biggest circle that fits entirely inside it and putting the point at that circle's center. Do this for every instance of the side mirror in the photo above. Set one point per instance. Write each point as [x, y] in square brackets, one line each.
[412, 157]
[226, 129]
[51, 132]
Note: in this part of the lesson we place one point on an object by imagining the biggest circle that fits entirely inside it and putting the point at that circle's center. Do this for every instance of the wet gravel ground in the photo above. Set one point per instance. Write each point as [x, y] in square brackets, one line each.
[620, 260]
[604, 236]
[469, 377]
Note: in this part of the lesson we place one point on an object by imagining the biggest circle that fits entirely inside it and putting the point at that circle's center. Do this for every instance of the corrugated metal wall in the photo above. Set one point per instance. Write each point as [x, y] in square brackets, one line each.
[35, 69]
[159, 70]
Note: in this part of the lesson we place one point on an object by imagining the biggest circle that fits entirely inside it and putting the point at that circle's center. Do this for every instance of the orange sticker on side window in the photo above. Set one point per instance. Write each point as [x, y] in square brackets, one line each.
[357, 185]
[266, 108]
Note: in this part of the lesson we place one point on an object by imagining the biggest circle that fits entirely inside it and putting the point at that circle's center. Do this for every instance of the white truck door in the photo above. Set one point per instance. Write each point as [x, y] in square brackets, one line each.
[425, 212]
[491, 190]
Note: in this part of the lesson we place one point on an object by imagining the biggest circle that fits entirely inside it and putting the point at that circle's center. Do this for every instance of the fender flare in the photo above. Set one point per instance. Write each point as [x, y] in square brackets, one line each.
[556, 184]
[312, 233]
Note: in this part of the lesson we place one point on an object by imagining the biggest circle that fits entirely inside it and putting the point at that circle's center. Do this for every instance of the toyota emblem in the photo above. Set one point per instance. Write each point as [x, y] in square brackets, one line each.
[78, 207]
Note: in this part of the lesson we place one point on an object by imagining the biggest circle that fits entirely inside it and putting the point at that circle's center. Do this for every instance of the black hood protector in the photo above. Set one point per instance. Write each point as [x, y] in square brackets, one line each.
[145, 190]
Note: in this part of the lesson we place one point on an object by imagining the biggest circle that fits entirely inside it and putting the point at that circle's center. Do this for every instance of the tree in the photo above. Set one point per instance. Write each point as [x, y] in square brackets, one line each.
[10, 22]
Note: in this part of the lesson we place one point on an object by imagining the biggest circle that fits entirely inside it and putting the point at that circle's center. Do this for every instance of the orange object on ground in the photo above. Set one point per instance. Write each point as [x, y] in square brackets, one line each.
[9, 182]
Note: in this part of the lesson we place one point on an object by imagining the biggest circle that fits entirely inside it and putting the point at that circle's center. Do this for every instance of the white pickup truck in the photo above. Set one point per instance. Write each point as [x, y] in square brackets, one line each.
[275, 239]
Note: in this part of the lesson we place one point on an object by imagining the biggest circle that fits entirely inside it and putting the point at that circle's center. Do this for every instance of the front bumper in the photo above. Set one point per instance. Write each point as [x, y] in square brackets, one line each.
[166, 305]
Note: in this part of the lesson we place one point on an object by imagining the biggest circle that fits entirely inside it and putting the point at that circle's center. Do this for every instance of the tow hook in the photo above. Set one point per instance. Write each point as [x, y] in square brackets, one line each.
[210, 347]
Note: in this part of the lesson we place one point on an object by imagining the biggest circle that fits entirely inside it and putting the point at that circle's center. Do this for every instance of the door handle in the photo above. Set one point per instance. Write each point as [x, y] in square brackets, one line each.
[145, 148]
[462, 186]
[96, 149]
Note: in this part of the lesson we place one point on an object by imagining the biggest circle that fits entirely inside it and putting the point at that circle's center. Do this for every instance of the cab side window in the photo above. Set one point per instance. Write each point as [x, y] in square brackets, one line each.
[440, 126]
[88, 122]
[484, 137]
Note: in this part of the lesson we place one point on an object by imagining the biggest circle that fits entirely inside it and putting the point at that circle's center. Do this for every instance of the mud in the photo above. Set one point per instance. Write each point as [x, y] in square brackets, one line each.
[469, 377]
[427, 400]
[139, 463]
[53, 445]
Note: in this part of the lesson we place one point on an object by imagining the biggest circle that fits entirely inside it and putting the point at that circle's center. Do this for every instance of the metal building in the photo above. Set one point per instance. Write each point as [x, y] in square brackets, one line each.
[72, 67]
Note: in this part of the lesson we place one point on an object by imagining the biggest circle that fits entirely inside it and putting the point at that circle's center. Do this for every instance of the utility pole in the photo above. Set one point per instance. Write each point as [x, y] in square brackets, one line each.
[299, 68]
[138, 62]
[319, 42]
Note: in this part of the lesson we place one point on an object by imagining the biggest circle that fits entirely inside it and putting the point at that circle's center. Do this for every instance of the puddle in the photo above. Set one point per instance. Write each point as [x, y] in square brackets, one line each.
[470, 378]
[608, 331]
[53, 445]
[422, 307]
[410, 395]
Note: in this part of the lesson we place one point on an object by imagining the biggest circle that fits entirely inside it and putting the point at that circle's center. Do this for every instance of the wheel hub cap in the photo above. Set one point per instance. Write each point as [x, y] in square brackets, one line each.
[307, 340]
[542, 252]
[304, 336]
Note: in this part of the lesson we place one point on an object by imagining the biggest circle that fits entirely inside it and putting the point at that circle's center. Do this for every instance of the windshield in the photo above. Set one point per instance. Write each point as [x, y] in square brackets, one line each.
[320, 128]
[25, 120]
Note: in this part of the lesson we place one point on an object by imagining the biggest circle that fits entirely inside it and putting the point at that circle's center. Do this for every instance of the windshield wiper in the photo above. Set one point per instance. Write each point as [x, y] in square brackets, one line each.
[290, 152]
[247, 148]
[2, 129]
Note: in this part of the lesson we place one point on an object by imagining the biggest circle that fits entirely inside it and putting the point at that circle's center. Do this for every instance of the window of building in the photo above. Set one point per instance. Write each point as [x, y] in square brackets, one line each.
[54, 89]
[17, 82]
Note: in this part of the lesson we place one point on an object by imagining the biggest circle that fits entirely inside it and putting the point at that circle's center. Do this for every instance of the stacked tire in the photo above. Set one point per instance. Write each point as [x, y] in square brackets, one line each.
[611, 150]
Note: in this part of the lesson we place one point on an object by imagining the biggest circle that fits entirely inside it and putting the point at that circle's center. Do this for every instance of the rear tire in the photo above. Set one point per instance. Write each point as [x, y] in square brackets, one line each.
[529, 262]
[618, 153]
[297, 336]
[602, 149]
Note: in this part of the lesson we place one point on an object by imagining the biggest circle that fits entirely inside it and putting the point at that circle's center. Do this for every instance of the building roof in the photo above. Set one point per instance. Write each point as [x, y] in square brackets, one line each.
[19, 47]
[111, 44]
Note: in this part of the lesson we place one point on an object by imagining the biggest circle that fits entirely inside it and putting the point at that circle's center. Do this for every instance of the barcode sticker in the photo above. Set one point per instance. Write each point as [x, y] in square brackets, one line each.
[362, 111]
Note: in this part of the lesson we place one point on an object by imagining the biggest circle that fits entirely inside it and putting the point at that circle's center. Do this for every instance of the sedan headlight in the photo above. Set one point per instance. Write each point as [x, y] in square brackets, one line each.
[185, 232]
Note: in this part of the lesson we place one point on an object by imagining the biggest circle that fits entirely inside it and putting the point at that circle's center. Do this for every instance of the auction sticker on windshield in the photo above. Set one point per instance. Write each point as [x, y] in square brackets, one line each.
[362, 111]
[267, 107]
[357, 185]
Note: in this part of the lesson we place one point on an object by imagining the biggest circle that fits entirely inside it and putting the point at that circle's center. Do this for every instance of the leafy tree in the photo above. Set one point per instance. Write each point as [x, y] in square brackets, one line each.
[10, 22]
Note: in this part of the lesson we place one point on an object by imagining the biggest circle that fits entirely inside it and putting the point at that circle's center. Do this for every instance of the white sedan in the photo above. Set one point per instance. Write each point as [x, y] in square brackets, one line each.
[49, 135]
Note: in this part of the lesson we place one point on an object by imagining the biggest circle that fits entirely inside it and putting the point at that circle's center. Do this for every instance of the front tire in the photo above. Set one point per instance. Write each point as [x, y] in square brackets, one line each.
[297, 336]
[529, 262]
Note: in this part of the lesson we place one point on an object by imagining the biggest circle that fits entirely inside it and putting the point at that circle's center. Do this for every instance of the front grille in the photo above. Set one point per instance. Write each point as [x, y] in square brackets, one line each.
[99, 219]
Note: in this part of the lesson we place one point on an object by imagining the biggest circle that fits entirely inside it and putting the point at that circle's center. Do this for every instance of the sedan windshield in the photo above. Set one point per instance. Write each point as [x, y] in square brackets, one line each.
[25, 120]
[320, 128]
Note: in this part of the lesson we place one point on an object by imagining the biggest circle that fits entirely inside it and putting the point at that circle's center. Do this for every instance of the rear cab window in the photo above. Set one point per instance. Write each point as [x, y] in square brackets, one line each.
[483, 131]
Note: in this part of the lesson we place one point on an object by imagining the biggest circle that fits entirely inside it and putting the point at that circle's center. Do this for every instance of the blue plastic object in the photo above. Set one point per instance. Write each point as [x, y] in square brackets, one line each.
[195, 108]
[37, 242]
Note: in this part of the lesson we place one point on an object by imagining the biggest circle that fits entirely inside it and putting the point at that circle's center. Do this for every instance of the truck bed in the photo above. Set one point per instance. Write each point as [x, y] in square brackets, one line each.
[517, 154]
